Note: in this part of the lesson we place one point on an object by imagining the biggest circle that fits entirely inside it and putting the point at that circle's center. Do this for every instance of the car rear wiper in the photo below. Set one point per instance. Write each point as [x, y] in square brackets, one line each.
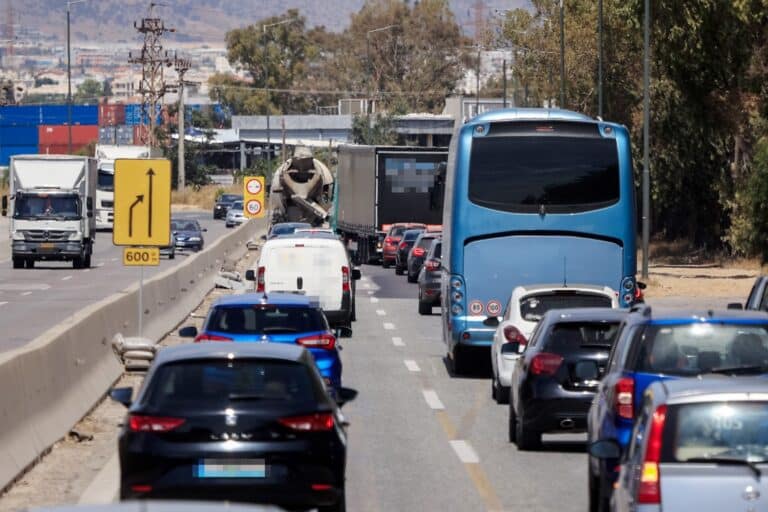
[747, 368]
[751, 464]
[246, 396]
[279, 330]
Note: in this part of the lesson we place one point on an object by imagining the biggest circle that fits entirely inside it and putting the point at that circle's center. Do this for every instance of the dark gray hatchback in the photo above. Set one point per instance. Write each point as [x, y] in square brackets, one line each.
[430, 277]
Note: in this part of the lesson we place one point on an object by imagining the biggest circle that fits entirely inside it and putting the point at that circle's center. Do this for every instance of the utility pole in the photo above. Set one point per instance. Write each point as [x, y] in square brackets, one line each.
[600, 58]
[562, 55]
[152, 59]
[646, 134]
[181, 66]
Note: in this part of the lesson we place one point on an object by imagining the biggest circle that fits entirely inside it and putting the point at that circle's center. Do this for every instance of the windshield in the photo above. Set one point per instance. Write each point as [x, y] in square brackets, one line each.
[533, 307]
[205, 385]
[106, 181]
[182, 225]
[720, 430]
[47, 206]
[229, 198]
[700, 347]
[288, 229]
[557, 174]
[266, 319]
[237, 205]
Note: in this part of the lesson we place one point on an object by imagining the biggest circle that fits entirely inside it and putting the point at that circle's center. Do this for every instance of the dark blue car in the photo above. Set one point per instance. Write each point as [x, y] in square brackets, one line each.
[276, 318]
[661, 345]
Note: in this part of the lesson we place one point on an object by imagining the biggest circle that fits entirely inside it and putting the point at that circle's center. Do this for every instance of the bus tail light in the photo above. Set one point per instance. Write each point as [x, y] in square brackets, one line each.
[649, 492]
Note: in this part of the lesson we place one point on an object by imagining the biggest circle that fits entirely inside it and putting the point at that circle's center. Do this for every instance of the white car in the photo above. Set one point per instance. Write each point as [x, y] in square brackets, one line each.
[525, 307]
[235, 215]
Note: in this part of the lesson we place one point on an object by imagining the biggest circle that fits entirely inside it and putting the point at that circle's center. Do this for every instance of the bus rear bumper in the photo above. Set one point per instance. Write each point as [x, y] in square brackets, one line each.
[470, 332]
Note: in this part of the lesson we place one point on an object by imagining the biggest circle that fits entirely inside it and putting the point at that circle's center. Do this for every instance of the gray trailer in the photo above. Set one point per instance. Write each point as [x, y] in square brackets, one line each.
[377, 186]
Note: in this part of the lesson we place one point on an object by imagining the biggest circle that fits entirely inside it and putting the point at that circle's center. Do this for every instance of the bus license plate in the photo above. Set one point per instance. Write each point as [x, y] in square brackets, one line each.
[247, 468]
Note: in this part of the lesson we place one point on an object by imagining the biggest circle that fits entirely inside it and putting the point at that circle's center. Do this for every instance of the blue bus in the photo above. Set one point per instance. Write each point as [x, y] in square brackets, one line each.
[532, 196]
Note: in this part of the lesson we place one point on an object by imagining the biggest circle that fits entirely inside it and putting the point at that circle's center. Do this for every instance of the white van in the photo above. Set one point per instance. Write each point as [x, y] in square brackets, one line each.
[314, 264]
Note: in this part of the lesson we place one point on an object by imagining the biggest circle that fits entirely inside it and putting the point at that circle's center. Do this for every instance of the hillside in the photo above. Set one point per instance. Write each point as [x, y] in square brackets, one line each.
[111, 21]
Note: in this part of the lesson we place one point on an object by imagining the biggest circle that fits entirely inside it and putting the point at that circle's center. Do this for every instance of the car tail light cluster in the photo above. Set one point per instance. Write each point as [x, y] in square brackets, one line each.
[432, 265]
[318, 341]
[318, 422]
[624, 391]
[546, 363]
[419, 252]
[142, 423]
[260, 280]
[390, 241]
[649, 491]
[513, 335]
[402, 245]
[210, 337]
[345, 279]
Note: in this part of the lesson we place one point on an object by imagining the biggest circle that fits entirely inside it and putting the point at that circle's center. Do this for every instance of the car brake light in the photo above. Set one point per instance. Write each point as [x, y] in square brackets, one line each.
[260, 280]
[545, 363]
[649, 491]
[141, 423]
[327, 341]
[625, 391]
[513, 335]
[344, 279]
[402, 245]
[390, 241]
[211, 337]
[432, 265]
[419, 252]
[317, 422]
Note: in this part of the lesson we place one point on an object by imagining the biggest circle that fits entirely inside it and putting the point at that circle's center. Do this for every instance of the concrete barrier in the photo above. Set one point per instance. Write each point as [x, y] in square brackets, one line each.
[53, 381]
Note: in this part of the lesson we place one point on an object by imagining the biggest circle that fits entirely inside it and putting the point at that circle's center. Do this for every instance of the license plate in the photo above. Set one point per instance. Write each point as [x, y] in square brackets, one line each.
[46, 245]
[225, 468]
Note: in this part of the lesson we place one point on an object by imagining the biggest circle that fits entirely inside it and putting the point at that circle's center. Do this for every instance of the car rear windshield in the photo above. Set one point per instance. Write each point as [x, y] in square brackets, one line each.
[557, 174]
[533, 307]
[397, 231]
[411, 235]
[266, 319]
[287, 230]
[693, 348]
[572, 336]
[425, 242]
[215, 384]
[437, 250]
[716, 430]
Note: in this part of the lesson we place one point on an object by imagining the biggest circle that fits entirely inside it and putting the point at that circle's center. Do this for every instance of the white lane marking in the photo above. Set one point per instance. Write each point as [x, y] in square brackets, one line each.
[26, 293]
[366, 285]
[389, 326]
[465, 452]
[87, 270]
[374, 299]
[113, 259]
[371, 292]
[433, 401]
[398, 342]
[3, 303]
[381, 312]
[103, 488]
[66, 278]
[100, 264]
[412, 365]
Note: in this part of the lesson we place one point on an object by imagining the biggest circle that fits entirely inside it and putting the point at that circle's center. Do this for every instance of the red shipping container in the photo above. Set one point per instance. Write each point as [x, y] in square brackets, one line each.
[111, 114]
[140, 132]
[59, 149]
[52, 135]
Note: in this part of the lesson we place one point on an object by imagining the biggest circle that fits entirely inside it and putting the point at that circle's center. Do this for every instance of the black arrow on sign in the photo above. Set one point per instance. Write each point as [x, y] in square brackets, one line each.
[139, 199]
[151, 174]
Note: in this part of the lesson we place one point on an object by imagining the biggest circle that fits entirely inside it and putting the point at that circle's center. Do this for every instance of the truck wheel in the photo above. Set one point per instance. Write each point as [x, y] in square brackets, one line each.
[77, 262]
[87, 261]
[18, 263]
[30, 263]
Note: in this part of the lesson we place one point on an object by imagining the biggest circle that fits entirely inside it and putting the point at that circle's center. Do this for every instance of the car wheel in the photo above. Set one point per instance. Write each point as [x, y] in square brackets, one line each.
[172, 255]
[512, 423]
[353, 316]
[425, 308]
[598, 501]
[87, 261]
[498, 392]
[384, 264]
[526, 438]
[18, 263]
[339, 506]
[411, 279]
[398, 270]
[77, 262]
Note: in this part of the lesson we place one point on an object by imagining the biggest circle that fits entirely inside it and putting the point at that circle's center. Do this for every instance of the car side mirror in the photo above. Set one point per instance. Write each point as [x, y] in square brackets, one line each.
[512, 348]
[189, 331]
[175, 233]
[263, 237]
[89, 204]
[345, 395]
[491, 321]
[89, 214]
[735, 305]
[642, 285]
[204, 230]
[250, 275]
[605, 449]
[344, 332]
[122, 396]
[356, 275]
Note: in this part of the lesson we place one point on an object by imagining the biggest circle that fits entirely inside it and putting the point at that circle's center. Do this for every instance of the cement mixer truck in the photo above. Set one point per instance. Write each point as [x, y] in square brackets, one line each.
[301, 189]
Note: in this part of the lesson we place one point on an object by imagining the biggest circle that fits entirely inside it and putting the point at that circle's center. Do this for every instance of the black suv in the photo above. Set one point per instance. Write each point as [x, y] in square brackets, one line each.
[223, 204]
[403, 248]
[555, 379]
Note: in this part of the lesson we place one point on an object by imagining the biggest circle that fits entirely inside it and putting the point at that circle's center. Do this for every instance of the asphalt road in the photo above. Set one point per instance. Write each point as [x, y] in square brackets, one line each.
[33, 300]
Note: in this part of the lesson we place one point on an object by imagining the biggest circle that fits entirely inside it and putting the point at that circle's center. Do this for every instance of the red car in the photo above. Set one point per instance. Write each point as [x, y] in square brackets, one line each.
[394, 235]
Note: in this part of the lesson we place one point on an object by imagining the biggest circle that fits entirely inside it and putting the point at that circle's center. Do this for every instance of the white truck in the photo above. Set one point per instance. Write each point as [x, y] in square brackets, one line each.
[106, 154]
[51, 209]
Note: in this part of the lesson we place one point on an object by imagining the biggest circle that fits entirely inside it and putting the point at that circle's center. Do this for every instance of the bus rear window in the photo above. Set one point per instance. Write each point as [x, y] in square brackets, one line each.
[533, 174]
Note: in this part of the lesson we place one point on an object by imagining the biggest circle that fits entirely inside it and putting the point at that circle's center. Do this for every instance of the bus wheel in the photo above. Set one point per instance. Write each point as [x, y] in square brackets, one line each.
[458, 361]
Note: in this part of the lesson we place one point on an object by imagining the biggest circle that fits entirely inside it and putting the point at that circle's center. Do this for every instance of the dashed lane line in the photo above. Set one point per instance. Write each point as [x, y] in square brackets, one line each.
[374, 300]
[398, 342]
[389, 326]
[24, 294]
[433, 401]
[464, 451]
[66, 278]
[412, 365]
[3, 303]
[381, 312]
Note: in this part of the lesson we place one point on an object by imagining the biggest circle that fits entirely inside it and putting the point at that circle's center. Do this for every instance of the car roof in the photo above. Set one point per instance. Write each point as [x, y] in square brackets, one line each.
[217, 350]
[712, 387]
[585, 315]
[645, 313]
[274, 298]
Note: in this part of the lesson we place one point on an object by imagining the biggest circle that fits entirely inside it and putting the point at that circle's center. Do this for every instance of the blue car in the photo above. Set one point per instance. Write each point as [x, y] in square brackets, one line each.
[655, 346]
[275, 318]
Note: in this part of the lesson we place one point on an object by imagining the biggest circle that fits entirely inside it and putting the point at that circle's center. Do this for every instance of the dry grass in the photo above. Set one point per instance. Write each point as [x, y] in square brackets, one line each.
[203, 198]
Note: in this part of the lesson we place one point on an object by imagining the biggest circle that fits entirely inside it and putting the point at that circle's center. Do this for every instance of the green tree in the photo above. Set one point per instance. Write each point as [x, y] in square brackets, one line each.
[375, 130]
[90, 91]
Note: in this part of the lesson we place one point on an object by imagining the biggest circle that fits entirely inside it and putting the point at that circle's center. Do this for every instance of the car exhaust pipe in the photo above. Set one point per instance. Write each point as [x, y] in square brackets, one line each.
[567, 423]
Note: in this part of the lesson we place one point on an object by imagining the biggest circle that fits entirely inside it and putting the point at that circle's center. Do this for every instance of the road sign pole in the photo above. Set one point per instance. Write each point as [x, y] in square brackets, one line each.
[141, 301]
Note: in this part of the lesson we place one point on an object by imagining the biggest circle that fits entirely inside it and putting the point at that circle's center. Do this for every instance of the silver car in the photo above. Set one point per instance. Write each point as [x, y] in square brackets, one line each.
[235, 215]
[698, 444]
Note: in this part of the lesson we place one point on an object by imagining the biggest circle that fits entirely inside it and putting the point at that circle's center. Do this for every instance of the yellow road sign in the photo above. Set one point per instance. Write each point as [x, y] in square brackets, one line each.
[142, 202]
[253, 197]
[141, 256]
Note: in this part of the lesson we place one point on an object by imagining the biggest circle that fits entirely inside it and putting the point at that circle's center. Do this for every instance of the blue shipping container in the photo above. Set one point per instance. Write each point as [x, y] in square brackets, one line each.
[134, 115]
[33, 115]
[6, 152]
[18, 135]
